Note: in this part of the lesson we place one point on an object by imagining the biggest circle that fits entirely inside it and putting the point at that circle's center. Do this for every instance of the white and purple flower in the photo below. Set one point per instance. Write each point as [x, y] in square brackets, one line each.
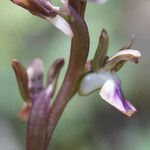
[109, 84]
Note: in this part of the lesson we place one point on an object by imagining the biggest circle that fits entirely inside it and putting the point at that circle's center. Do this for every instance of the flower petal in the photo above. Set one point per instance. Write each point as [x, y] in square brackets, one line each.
[116, 61]
[61, 24]
[22, 79]
[92, 82]
[100, 54]
[35, 77]
[53, 75]
[113, 94]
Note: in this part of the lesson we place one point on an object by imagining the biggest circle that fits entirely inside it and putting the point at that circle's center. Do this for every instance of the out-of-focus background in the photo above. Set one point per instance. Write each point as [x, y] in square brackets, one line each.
[88, 123]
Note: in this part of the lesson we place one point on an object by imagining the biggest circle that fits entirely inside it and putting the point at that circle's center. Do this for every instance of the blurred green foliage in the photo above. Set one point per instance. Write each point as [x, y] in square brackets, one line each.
[88, 123]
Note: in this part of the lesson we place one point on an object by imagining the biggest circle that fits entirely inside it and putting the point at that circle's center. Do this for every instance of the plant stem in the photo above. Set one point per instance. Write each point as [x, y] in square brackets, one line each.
[78, 58]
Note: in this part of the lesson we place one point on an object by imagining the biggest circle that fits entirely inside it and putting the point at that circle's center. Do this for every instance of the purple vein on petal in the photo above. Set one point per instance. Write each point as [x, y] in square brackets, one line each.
[113, 94]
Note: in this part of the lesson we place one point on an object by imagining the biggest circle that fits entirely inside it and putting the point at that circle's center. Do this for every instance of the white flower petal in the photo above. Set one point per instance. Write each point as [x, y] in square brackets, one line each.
[120, 56]
[126, 54]
[61, 24]
[92, 82]
[35, 76]
[113, 94]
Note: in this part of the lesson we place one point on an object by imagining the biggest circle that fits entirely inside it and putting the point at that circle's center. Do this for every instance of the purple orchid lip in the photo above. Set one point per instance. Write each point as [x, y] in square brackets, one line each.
[112, 92]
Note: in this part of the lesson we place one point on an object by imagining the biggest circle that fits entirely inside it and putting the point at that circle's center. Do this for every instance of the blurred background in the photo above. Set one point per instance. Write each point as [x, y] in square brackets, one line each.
[88, 123]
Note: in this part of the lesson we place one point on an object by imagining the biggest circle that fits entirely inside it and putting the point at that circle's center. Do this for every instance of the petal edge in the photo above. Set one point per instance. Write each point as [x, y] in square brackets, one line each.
[113, 94]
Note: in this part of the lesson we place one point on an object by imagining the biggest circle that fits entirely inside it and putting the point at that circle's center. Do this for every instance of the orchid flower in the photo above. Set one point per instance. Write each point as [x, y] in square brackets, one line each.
[30, 82]
[105, 79]
[37, 98]
[99, 73]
